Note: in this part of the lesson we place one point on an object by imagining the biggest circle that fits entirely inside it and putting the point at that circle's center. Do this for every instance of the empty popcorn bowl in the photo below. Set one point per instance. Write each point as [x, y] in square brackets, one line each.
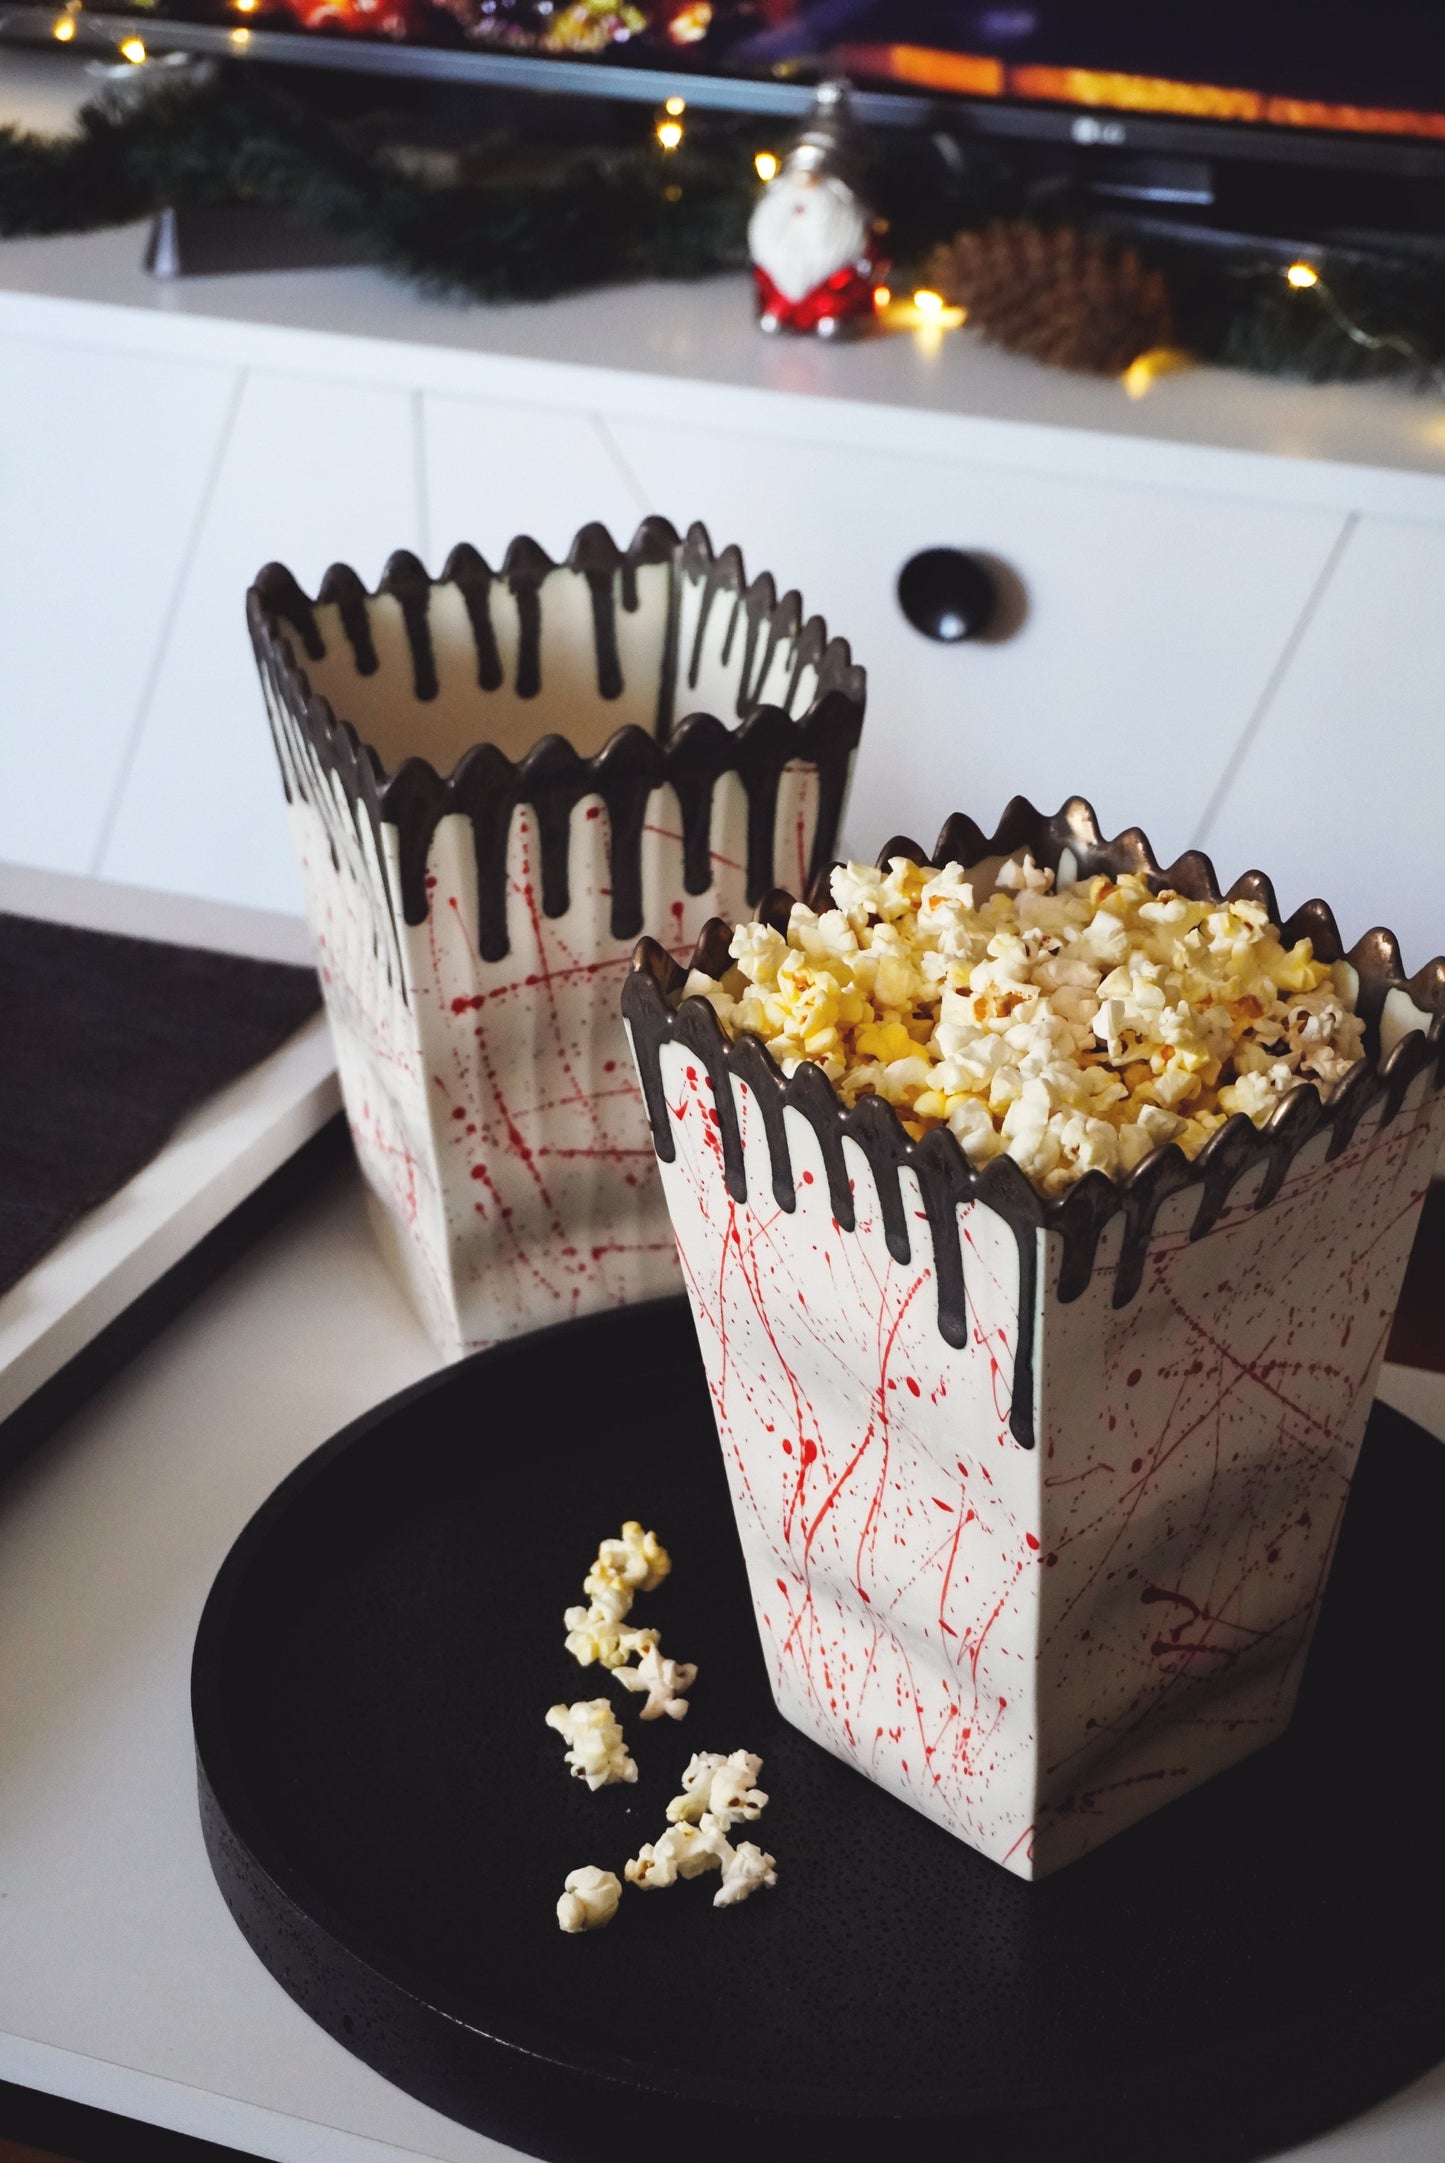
[1038, 1493]
[496, 781]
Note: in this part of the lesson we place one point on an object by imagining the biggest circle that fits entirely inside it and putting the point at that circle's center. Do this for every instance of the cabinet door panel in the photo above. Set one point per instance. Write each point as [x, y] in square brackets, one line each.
[313, 472]
[494, 471]
[1151, 621]
[1341, 789]
[104, 464]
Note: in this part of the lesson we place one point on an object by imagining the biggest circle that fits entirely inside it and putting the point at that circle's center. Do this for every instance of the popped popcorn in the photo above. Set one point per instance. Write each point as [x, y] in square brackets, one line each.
[592, 1638]
[1073, 1029]
[599, 1634]
[696, 1839]
[598, 1753]
[590, 1900]
[747, 1869]
[721, 1788]
[665, 1681]
[637, 1561]
[684, 1851]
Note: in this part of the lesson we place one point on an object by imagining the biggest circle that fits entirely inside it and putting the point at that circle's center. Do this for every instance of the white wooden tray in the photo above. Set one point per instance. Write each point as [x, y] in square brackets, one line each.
[218, 1158]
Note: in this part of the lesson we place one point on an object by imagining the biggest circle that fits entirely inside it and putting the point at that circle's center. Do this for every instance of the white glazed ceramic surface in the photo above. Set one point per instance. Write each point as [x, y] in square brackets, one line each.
[470, 932]
[1034, 1645]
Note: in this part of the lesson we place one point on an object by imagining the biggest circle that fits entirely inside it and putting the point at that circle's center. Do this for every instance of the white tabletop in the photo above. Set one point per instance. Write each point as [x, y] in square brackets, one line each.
[123, 1981]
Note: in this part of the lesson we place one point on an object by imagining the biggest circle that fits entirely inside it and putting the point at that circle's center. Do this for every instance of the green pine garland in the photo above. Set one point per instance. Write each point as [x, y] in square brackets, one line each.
[596, 219]
[522, 226]
[1245, 315]
[519, 226]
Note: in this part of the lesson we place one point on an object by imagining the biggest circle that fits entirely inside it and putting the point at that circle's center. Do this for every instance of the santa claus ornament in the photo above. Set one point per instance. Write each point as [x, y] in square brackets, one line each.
[812, 239]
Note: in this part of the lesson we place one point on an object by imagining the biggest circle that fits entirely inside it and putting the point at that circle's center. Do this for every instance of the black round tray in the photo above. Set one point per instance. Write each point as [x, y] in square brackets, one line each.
[390, 1822]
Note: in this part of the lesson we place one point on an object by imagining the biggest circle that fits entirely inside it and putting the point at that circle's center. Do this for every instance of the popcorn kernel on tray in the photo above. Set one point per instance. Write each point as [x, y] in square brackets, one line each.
[599, 1633]
[749, 1869]
[590, 1899]
[718, 1792]
[684, 1851]
[1070, 1029]
[687, 1851]
[593, 1637]
[722, 1788]
[597, 1752]
[637, 1561]
[665, 1681]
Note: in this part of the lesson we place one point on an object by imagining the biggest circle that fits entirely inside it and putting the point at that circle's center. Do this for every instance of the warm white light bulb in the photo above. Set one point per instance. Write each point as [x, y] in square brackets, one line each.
[675, 106]
[134, 51]
[669, 134]
[62, 29]
[1144, 371]
[765, 165]
[1302, 275]
[927, 302]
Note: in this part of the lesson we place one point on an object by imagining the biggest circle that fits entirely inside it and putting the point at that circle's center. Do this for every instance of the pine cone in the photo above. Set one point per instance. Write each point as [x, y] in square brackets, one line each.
[1059, 294]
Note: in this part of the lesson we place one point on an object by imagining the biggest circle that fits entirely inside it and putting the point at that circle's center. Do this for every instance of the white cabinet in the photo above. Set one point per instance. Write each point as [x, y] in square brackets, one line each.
[312, 472]
[1340, 788]
[105, 460]
[1153, 620]
[494, 470]
[1233, 638]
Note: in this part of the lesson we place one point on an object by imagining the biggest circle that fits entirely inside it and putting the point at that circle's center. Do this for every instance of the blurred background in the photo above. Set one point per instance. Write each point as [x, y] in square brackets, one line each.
[319, 279]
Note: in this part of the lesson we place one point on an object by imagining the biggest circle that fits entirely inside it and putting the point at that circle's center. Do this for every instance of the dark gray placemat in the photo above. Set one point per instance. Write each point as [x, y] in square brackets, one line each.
[106, 1044]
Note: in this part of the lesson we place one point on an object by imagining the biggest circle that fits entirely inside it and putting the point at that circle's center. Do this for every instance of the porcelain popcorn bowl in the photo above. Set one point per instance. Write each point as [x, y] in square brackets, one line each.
[1038, 1496]
[496, 781]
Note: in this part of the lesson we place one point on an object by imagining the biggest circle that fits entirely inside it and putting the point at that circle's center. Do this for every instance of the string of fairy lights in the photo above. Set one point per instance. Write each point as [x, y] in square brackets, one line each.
[928, 315]
[133, 50]
[1306, 279]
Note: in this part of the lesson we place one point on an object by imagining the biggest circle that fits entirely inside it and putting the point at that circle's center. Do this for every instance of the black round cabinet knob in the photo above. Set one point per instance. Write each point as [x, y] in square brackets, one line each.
[946, 594]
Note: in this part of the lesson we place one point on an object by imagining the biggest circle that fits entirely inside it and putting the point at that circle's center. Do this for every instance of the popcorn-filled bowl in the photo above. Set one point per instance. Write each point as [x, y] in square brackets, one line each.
[1038, 1493]
[496, 780]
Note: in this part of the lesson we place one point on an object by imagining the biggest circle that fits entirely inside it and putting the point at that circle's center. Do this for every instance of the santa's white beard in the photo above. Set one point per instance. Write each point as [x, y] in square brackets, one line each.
[803, 229]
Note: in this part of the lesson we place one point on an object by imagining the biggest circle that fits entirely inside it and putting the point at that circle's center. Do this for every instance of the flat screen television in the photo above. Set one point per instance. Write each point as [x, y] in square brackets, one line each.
[1331, 81]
